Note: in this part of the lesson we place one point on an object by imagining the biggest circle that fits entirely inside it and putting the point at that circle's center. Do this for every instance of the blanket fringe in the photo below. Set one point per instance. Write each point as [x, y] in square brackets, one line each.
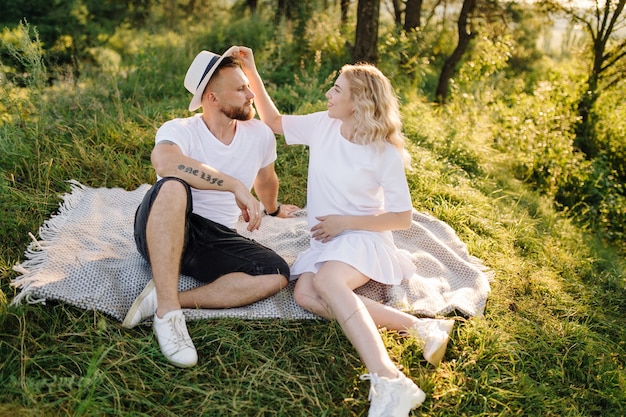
[35, 254]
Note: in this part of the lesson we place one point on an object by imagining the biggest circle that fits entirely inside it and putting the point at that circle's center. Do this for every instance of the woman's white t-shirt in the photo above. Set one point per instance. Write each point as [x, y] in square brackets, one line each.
[252, 148]
[345, 178]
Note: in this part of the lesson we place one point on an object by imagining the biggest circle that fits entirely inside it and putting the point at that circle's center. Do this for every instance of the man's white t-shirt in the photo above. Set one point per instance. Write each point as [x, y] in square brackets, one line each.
[252, 148]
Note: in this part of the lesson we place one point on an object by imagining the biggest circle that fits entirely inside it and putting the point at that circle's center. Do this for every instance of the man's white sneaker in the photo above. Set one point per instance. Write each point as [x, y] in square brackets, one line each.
[143, 307]
[433, 335]
[392, 397]
[174, 341]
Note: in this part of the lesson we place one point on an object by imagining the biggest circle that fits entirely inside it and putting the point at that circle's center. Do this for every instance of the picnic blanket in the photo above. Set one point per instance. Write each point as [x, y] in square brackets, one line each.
[85, 255]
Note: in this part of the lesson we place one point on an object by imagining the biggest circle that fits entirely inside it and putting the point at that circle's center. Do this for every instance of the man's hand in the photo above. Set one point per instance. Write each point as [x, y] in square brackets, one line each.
[250, 208]
[287, 210]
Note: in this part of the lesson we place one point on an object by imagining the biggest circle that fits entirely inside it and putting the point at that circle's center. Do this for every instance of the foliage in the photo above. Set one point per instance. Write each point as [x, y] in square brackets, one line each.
[535, 129]
[596, 192]
[70, 28]
[527, 25]
[493, 164]
[23, 46]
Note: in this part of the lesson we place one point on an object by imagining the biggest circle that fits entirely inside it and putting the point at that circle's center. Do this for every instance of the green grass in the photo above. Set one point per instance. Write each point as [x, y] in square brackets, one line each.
[552, 341]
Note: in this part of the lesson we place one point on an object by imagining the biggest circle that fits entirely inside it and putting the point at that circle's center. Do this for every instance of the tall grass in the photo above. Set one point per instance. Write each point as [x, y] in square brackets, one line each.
[551, 343]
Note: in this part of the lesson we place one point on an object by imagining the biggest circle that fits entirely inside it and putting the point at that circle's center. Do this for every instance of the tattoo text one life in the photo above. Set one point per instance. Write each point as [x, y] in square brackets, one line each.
[203, 175]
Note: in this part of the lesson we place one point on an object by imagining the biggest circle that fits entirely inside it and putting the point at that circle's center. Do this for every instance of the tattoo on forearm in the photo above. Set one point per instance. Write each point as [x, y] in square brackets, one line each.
[203, 175]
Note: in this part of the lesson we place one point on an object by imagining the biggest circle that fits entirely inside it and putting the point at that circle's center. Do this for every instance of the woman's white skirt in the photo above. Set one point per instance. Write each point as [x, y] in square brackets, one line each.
[373, 254]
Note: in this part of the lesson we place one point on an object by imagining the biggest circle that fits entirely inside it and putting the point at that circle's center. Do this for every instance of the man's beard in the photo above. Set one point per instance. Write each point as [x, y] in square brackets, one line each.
[238, 113]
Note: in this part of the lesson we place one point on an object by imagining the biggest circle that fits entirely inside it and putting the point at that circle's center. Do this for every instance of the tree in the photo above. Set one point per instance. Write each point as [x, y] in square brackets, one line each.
[465, 35]
[284, 9]
[345, 5]
[397, 12]
[366, 39]
[252, 5]
[412, 15]
[602, 22]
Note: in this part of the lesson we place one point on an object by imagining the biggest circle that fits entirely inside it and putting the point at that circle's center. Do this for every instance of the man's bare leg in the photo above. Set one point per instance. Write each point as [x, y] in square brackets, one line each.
[233, 290]
[165, 231]
[165, 236]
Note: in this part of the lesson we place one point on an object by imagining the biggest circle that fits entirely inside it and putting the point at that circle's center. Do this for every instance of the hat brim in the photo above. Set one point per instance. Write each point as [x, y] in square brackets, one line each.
[196, 101]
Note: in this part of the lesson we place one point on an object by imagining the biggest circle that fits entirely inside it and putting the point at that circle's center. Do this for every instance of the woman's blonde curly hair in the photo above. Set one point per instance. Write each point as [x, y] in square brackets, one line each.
[376, 108]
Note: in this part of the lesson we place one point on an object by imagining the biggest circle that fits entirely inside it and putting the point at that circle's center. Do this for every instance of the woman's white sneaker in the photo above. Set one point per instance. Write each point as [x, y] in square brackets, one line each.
[393, 397]
[433, 335]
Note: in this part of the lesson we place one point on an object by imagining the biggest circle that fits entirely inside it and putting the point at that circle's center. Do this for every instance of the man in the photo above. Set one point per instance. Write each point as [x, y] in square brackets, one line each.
[206, 165]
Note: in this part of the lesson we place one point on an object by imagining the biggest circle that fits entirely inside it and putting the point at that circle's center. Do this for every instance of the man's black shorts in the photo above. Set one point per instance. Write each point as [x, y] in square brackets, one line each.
[211, 250]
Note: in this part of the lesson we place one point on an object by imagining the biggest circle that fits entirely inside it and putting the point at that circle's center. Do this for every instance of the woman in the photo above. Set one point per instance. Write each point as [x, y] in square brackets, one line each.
[357, 194]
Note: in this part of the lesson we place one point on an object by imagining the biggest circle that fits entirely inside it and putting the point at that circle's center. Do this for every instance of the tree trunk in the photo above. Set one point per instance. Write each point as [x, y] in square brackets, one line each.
[397, 12]
[284, 10]
[252, 5]
[606, 59]
[584, 128]
[345, 5]
[449, 66]
[366, 41]
[412, 15]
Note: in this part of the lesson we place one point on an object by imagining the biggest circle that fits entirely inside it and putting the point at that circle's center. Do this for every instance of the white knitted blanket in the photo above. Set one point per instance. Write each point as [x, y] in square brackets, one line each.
[86, 256]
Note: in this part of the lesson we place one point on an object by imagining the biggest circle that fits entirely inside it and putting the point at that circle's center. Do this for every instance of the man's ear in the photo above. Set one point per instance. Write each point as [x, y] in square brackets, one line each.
[209, 96]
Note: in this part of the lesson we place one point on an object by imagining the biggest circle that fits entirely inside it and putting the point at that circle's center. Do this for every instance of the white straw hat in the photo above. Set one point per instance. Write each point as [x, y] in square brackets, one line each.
[200, 72]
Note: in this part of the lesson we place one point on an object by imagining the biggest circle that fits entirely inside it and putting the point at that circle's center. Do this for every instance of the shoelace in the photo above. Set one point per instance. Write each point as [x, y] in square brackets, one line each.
[178, 329]
[373, 378]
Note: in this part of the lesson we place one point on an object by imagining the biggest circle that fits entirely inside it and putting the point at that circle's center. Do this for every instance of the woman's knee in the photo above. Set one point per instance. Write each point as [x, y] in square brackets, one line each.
[301, 297]
[324, 286]
[304, 295]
